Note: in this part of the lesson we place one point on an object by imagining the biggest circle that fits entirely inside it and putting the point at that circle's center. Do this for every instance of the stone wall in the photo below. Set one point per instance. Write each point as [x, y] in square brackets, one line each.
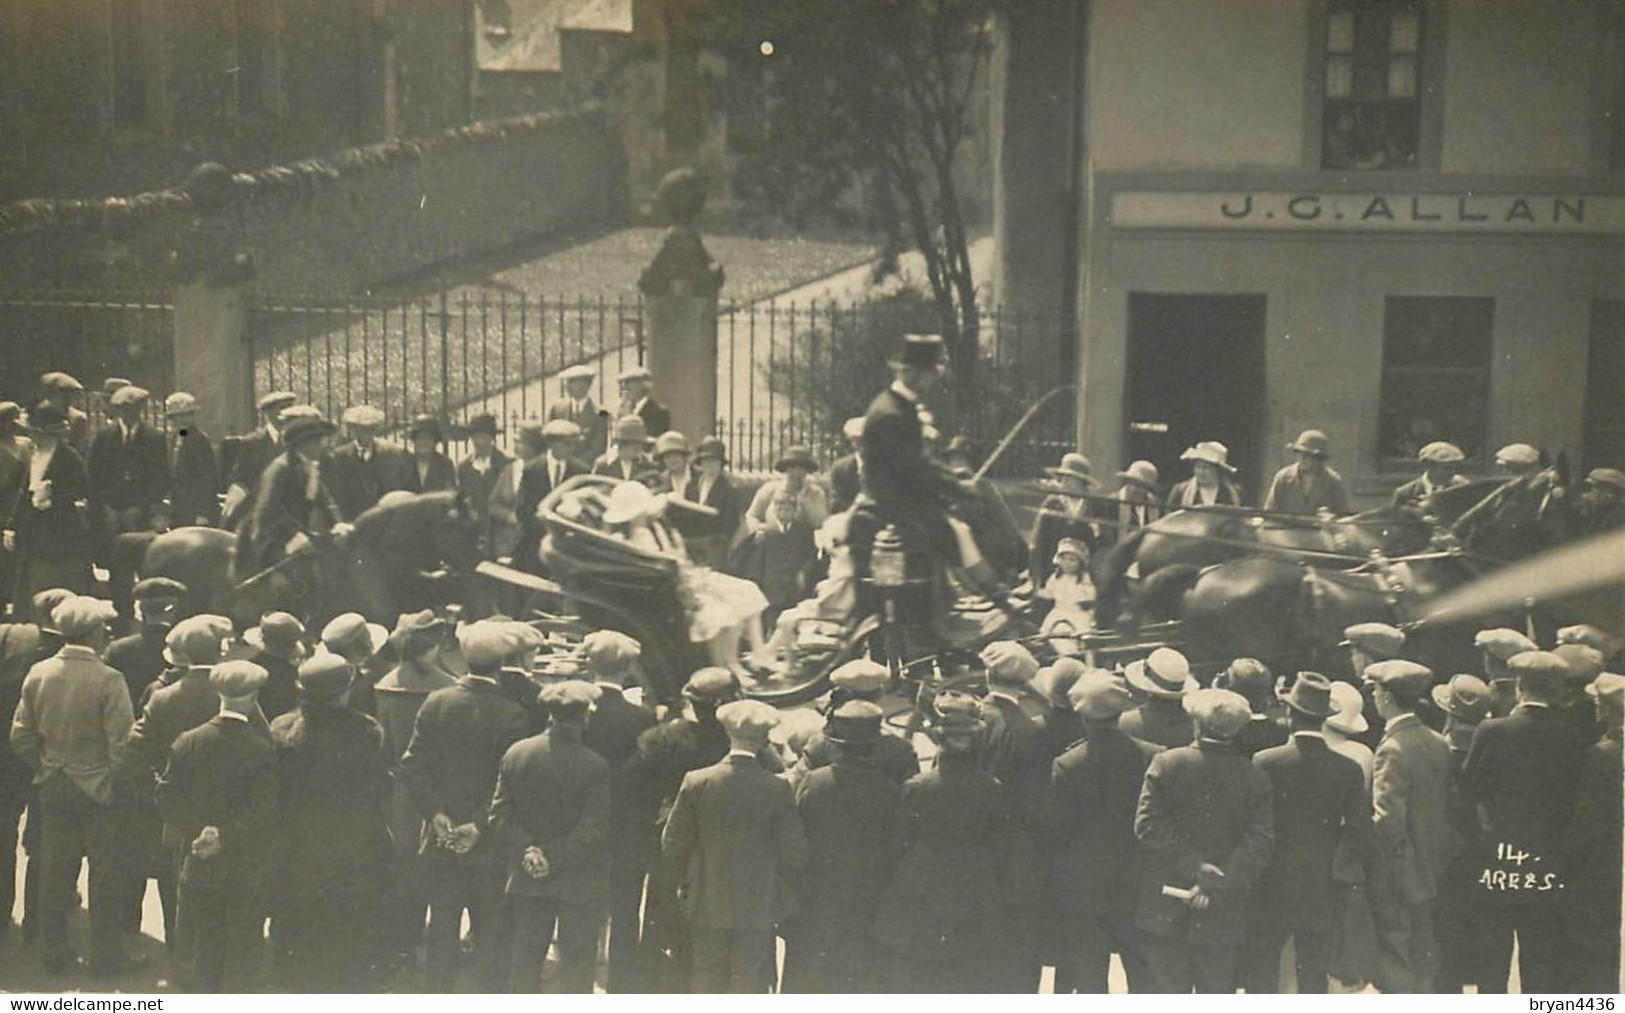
[334, 226]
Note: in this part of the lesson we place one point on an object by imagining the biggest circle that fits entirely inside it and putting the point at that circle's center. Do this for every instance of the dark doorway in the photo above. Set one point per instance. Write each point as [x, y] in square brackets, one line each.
[1604, 437]
[1195, 372]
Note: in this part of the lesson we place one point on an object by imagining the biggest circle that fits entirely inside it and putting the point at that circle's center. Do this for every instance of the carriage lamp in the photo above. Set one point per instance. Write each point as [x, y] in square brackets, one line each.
[888, 564]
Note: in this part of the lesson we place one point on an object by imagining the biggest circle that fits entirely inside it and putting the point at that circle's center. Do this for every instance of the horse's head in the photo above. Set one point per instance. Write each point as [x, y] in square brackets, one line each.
[1518, 517]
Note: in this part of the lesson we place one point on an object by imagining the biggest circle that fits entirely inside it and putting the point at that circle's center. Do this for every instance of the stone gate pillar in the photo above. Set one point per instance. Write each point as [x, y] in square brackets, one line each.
[211, 351]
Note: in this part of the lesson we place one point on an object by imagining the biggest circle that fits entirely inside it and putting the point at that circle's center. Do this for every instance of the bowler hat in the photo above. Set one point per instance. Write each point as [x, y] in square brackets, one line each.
[363, 415]
[1311, 695]
[711, 447]
[1212, 452]
[1465, 698]
[796, 457]
[919, 351]
[1312, 442]
[279, 632]
[1440, 452]
[854, 722]
[180, 403]
[324, 675]
[276, 401]
[301, 430]
[484, 422]
[129, 396]
[1165, 673]
[672, 442]
[1074, 465]
[1142, 473]
[237, 678]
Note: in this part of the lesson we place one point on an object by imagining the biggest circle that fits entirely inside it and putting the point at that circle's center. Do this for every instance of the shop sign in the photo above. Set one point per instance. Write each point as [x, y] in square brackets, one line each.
[1369, 211]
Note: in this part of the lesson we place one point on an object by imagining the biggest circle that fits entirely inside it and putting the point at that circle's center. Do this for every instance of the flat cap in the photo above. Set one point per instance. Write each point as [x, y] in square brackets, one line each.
[277, 400]
[570, 694]
[352, 636]
[635, 373]
[852, 428]
[1608, 688]
[1100, 695]
[82, 615]
[1377, 640]
[197, 640]
[10, 411]
[578, 372]
[1465, 698]
[325, 675]
[610, 650]
[362, 415]
[1399, 674]
[1164, 673]
[279, 631]
[1518, 455]
[1539, 666]
[180, 403]
[712, 685]
[489, 642]
[957, 712]
[560, 429]
[861, 677]
[297, 430]
[1055, 682]
[1591, 636]
[1218, 713]
[60, 381]
[130, 396]
[45, 602]
[854, 722]
[1009, 664]
[416, 624]
[1607, 476]
[154, 588]
[1503, 643]
[747, 719]
[1440, 452]
[237, 678]
[113, 384]
[1585, 663]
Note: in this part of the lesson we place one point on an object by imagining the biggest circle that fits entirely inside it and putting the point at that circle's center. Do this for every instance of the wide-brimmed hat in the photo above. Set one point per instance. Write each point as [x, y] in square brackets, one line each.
[1350, 715]
[1165, 673]
[711, 447]
[1142, 473]
[1607, 476]
[1311, 694]
[1212, 452]
[582, 372]
[1312, 442]
[631, 429]
[796, 457]
[179, 403]
[919, 351]
[281, 632]
[672, 442]
[1440, 452]
[628, 501]
[46, 418]
[426, 424]
[1074, 465]
[351, 632]
[1464, 697]
[304, 428]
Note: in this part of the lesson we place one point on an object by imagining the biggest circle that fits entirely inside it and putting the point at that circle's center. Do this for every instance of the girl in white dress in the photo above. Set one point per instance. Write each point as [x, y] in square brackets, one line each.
[1073, 595]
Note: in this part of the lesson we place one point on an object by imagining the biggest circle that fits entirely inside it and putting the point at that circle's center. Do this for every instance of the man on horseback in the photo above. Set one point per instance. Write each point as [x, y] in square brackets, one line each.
[293, 505]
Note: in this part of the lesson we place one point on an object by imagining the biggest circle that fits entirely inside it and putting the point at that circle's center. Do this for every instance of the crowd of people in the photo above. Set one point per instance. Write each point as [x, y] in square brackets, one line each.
[319, 809]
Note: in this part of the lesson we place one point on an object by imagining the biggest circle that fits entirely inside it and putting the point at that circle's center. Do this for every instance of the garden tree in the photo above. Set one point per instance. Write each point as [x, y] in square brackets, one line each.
[826, 95]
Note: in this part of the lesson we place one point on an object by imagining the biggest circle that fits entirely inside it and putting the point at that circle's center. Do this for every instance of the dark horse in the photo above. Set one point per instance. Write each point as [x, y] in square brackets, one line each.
[1290, 613]
[409, 552]
[1169, 553]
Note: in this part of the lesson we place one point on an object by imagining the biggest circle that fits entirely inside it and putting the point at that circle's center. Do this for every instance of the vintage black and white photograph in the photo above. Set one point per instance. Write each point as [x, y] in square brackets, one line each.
[812, 496]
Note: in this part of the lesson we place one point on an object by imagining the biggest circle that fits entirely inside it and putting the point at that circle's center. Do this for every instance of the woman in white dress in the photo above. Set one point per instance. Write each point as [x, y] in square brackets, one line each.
[721, 609]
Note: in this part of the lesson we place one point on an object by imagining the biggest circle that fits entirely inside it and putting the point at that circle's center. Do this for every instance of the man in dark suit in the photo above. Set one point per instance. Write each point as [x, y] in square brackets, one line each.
[193, 495]
[1322, 814]
[908, 488]
[735, 842]
[139, 656]
[478, 472]
[628, 457]
[1267, 727]
[551, 814]
[1411, 834]
[450, 769]
[218, 795]
[44, 526]
[612, 732]
[1440, 464]
[538, 480]
[578, 407]
[1521, 774]
[892, 755]
[363, 469]
[637, 386]
[1457, 922]
[253, 455]
[1089, 807]
[279, 646]
[845, 472]
[1596, 854]
[294, 504]
[848, 810]
[428, 469]
[335, 856]
[128, 467]
[1205, 823]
